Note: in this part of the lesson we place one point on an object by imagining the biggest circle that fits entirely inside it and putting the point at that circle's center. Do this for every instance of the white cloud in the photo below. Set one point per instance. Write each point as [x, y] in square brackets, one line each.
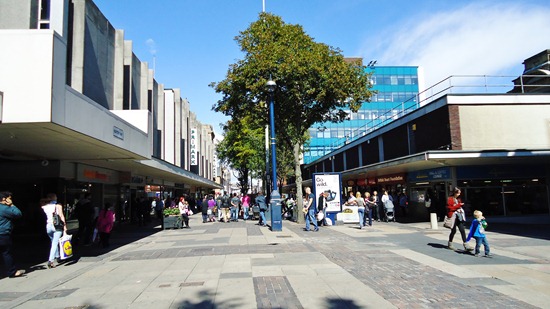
[478, 39]
[152, 45]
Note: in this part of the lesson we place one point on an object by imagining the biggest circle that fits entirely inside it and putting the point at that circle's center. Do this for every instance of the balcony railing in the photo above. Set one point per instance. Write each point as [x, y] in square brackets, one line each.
[467, 84]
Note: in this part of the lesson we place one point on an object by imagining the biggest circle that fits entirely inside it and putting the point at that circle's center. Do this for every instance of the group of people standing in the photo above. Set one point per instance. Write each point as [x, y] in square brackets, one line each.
[372, 207]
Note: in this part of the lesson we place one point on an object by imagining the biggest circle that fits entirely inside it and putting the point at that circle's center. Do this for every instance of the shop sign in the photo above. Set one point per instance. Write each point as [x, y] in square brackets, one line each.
[118, 133]
[362, 182]
[399, 178]
[193, 146]
[371, 181]
[442, 173]
[95, 174]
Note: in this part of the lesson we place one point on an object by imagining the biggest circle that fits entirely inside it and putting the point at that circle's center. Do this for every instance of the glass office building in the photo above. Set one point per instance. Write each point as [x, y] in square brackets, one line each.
[396, 88]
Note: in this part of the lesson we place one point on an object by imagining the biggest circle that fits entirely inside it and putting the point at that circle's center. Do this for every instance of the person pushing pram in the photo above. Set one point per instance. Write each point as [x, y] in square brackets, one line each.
[389, 208]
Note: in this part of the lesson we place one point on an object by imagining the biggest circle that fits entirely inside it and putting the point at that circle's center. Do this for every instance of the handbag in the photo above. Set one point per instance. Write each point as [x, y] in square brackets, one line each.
[449, 222]
[320, 216]
[305, 210]
[57, 222]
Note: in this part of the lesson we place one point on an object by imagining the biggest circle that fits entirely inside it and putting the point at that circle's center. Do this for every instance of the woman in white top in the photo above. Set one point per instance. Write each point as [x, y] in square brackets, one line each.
[50, 207]
[184, 211]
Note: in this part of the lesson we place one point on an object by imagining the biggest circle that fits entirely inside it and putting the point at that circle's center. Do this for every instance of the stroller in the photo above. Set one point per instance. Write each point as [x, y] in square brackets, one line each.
[389, 211]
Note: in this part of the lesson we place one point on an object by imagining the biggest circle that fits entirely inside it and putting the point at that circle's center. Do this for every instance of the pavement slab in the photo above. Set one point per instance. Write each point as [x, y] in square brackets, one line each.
[243, 265]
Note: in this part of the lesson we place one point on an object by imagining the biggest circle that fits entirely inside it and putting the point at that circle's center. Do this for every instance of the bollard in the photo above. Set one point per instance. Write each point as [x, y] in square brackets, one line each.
[433, 220]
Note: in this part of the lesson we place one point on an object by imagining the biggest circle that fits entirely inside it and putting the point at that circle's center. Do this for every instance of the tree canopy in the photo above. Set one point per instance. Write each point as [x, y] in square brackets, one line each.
[314, 82]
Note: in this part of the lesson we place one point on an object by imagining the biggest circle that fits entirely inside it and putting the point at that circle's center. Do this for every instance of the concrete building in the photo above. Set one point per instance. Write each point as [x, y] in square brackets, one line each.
[81, 113]
[495, 146]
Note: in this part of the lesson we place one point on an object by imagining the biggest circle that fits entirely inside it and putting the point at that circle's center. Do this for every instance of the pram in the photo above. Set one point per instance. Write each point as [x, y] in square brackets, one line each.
[389, 211]
[255, 212]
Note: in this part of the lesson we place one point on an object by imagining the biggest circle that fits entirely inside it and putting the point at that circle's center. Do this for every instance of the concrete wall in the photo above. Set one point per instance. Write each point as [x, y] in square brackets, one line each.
[505, 127]
[99, 56]
[27, 74]
[169, 118]
[18, 14]
[83, 115]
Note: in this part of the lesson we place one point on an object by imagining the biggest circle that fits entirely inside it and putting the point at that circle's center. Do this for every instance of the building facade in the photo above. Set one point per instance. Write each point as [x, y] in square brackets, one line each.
[395, 91]
[494, 146]
[80, 113]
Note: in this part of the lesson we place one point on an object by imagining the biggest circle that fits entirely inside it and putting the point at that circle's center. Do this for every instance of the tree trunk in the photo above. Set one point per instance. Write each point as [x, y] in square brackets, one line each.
[299, 195]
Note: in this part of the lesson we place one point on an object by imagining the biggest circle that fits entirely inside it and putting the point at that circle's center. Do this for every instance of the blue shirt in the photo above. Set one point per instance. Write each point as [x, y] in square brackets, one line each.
[7, 214]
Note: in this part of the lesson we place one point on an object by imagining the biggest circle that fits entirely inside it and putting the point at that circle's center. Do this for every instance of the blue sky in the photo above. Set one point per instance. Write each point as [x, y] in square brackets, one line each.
[193, 44]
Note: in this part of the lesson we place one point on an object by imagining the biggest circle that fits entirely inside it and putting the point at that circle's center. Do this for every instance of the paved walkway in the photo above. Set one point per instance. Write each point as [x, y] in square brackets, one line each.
[243, 265]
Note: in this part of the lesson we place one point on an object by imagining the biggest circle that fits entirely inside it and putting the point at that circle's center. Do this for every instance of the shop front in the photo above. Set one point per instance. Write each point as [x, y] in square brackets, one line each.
[505, 190]
[428, 192]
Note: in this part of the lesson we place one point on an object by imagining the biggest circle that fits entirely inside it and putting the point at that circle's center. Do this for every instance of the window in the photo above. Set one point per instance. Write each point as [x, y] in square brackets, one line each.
[44, 14]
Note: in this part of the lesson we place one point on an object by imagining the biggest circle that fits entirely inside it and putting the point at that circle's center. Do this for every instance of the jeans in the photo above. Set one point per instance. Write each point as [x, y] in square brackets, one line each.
[368, 214]
[311, 217]
[482, 240]
[245, 212]
[263, 222]
[5, 249]
[361, 211]
[234, 213]
[54, 237]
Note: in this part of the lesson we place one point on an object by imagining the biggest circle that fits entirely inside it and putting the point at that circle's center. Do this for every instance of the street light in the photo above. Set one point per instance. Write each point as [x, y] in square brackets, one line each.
[275, 201]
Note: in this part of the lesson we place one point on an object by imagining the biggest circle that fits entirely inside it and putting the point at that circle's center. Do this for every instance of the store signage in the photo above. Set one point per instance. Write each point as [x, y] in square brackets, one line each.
[118, 133]
[430, 175]
[96, 174]
[391, 178]
[193, 148]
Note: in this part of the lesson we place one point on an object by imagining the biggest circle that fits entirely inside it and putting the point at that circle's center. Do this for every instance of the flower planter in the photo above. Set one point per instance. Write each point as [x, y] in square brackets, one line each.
[172, 222]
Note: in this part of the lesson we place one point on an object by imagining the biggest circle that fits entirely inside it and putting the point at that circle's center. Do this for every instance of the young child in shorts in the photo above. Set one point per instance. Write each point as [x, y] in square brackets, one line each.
[477, 231]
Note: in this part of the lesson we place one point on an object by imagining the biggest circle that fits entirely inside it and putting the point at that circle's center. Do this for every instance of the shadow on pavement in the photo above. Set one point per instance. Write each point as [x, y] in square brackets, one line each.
[31, 250]
[540, 231]
[336, 303]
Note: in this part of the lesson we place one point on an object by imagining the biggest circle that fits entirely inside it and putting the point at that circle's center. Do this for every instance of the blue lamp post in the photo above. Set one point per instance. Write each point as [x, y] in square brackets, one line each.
[275, 201]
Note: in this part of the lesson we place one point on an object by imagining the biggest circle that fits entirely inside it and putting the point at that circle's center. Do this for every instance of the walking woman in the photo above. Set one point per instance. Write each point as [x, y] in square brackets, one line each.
[454, 208]
[105, 222]
[51, 209]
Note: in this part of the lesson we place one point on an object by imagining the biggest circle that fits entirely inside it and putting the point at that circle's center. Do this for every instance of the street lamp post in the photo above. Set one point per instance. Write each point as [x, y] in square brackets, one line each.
[275, 201]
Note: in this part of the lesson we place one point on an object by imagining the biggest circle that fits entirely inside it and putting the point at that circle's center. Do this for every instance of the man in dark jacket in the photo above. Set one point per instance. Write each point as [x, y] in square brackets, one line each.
[85, 215]
[8, 213]
[260, 200]
[225, 206]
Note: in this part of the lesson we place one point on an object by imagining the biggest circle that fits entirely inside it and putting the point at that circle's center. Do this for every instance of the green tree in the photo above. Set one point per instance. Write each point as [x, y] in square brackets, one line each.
[242, 149]
[314, 82]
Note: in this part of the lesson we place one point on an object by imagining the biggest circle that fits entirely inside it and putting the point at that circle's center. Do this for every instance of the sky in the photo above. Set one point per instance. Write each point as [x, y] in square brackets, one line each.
[190, 44]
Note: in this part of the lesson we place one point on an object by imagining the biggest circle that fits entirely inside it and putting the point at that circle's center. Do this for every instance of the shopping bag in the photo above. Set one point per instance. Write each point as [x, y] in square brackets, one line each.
[65, 247]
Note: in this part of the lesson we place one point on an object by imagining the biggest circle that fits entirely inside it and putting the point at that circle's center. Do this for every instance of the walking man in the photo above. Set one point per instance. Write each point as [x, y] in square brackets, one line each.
[8, 213]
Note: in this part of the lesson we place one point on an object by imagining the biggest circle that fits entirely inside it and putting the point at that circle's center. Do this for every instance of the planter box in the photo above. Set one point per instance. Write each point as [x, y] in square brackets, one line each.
[172, 222]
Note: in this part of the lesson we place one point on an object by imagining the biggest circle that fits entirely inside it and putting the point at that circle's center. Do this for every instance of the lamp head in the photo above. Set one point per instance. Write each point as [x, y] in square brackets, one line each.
[271, 86]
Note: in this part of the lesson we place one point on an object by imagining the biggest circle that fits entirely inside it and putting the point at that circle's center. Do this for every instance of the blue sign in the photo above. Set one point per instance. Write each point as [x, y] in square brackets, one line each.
[442, 173]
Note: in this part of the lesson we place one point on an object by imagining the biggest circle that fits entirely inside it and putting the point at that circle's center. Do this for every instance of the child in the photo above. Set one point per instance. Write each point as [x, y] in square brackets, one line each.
[477, 231]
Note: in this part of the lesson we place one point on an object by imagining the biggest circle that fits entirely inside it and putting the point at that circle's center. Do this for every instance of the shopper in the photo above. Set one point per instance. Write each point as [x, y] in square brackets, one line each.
[454, 208]
[105, 223]
[8, 213]
[54, 230]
